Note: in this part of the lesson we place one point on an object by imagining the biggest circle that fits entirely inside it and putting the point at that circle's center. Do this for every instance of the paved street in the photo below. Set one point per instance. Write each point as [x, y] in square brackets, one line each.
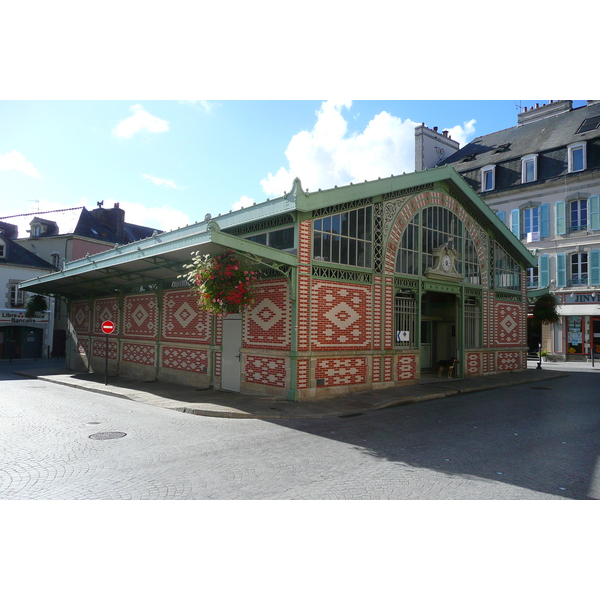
[537, 441]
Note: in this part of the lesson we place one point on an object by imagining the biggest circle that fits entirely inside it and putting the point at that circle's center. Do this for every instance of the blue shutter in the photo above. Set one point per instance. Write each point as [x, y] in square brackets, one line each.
[515, 222]
[561, 218]
[544, 271]
[544, 220]
[594, 212]
[595, 267]
[561, 270]
[502, 216]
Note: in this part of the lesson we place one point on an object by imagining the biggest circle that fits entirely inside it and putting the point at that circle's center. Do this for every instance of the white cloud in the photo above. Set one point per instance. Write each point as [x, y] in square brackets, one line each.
[140, 120]
[15, 161]
[204, 105]
[462, 133]
[243, 202]
[328, 156]
[164, 182]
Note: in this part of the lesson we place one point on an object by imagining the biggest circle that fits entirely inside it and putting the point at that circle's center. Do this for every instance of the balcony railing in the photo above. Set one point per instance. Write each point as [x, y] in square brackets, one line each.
[573, 228]
[578, 281]
[532, 282]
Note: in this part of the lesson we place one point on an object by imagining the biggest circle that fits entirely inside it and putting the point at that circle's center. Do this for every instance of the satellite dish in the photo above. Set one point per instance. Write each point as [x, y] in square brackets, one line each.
[207, 217]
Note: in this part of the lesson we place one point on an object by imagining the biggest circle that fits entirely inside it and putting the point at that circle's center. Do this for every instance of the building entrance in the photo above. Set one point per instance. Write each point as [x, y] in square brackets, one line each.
[438, 330]
[21, 342]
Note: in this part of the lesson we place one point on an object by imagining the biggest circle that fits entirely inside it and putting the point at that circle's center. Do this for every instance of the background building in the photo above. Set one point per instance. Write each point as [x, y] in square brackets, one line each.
[64, 235]
[20, 336]
[542, 179]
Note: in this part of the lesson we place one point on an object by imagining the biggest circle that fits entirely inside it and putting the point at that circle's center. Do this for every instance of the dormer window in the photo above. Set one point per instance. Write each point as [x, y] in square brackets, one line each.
[488, 178]
[529, 168]
[577, 157]
[36, 230]
[2, 250]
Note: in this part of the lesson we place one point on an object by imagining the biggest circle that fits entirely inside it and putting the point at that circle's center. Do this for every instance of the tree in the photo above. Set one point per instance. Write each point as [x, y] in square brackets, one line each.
[34, 305]
[544, 310]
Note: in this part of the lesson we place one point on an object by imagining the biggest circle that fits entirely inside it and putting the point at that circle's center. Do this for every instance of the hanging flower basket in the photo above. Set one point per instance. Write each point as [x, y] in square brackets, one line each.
[221, 283]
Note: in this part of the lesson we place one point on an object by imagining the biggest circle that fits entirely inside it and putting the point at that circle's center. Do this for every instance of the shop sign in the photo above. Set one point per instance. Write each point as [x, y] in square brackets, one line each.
[18, 316]
[581, 299]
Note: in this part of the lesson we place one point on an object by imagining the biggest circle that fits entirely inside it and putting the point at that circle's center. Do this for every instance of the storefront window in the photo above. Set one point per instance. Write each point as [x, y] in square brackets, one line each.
[575, 335]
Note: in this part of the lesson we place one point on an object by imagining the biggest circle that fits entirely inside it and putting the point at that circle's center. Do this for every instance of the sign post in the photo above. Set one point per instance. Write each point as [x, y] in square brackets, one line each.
[108, 327]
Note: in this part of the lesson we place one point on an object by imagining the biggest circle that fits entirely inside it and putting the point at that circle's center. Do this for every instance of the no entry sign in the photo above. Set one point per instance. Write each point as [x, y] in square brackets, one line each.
[108, 327]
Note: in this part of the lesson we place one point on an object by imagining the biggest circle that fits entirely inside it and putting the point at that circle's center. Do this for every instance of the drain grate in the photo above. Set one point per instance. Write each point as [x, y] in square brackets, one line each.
[107, 435]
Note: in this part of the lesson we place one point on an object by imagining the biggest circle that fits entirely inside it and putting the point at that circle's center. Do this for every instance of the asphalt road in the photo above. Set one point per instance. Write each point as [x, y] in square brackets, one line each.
[523, 442]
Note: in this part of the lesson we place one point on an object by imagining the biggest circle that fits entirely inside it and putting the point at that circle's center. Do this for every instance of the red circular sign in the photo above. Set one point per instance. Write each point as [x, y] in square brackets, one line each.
[108, 327]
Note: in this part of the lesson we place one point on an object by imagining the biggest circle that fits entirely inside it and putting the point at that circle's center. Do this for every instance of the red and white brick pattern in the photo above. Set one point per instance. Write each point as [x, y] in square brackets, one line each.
[407, 367]
[143, 354]
[267, 321]
[507, 324]
[106, 309]
[185, 359]
[183, 320]
[81, 316]
[140, 317]
[341, 371]
[341, 316]
[265, 370]
[99, 349]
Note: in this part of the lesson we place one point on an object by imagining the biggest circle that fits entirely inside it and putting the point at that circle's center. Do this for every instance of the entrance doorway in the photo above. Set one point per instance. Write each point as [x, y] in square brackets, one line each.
[438, 329]
[231, 360]
[21, 342]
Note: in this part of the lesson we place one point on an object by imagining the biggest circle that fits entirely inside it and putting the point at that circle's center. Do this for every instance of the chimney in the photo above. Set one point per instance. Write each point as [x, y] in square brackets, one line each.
[113, 218]
[537, 112]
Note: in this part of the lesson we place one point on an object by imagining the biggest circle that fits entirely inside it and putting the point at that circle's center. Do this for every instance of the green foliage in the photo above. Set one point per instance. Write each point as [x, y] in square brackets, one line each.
[544, 310]
[35, 304]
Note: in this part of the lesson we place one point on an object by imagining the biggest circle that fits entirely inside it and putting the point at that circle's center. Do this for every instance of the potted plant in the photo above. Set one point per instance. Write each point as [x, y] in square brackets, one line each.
[222, 284]
[544, 355]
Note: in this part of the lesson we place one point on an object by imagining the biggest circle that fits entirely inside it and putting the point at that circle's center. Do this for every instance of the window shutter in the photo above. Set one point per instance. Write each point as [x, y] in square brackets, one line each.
[595, 267]
[502, 216]
[561, 220]
[544, 220]
[515, 221]
[561, 270]
[544, 270]
[594, 212]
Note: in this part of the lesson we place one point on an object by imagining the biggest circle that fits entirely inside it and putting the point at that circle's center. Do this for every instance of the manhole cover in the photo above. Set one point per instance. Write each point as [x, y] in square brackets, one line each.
[107, 435]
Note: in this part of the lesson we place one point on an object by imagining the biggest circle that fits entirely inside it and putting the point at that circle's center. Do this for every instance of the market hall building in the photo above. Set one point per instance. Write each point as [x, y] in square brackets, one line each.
[361, 287]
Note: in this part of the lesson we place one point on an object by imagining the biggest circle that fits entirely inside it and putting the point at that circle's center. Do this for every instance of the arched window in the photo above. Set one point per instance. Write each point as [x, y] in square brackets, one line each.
[430, 229]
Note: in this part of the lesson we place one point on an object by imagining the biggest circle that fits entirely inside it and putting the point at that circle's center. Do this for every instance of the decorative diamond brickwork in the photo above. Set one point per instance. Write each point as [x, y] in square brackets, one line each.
[99, 349]
[265, 370]
[267, 321]
[106, 309]
[83, 346]
[473, 363]
[142, 354]
[303, 313]
[81, 317]
[341, 371]
[507, 324]
[407, 367]
[509, 361]
[140, 316]
[185, 359]
[376, 371]
[341, 316]
[182, 320]
[305, 237]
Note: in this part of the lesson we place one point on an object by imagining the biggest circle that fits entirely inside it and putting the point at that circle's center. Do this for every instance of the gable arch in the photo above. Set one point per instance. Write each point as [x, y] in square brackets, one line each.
[400, 213]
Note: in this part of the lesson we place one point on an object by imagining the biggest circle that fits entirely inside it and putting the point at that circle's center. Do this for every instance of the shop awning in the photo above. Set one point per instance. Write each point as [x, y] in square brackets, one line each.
[578, 310]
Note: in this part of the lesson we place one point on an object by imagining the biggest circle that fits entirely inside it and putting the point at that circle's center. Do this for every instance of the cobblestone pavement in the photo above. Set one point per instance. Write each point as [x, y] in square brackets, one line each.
[538, 441]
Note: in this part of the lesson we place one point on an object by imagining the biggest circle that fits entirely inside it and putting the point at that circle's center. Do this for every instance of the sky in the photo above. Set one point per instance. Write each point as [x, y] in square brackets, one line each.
[168, 163]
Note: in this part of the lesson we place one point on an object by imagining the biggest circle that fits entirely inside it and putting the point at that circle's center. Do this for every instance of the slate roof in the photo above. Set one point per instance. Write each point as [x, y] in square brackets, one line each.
[548, 133]
[15, 254]
[78, 221]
